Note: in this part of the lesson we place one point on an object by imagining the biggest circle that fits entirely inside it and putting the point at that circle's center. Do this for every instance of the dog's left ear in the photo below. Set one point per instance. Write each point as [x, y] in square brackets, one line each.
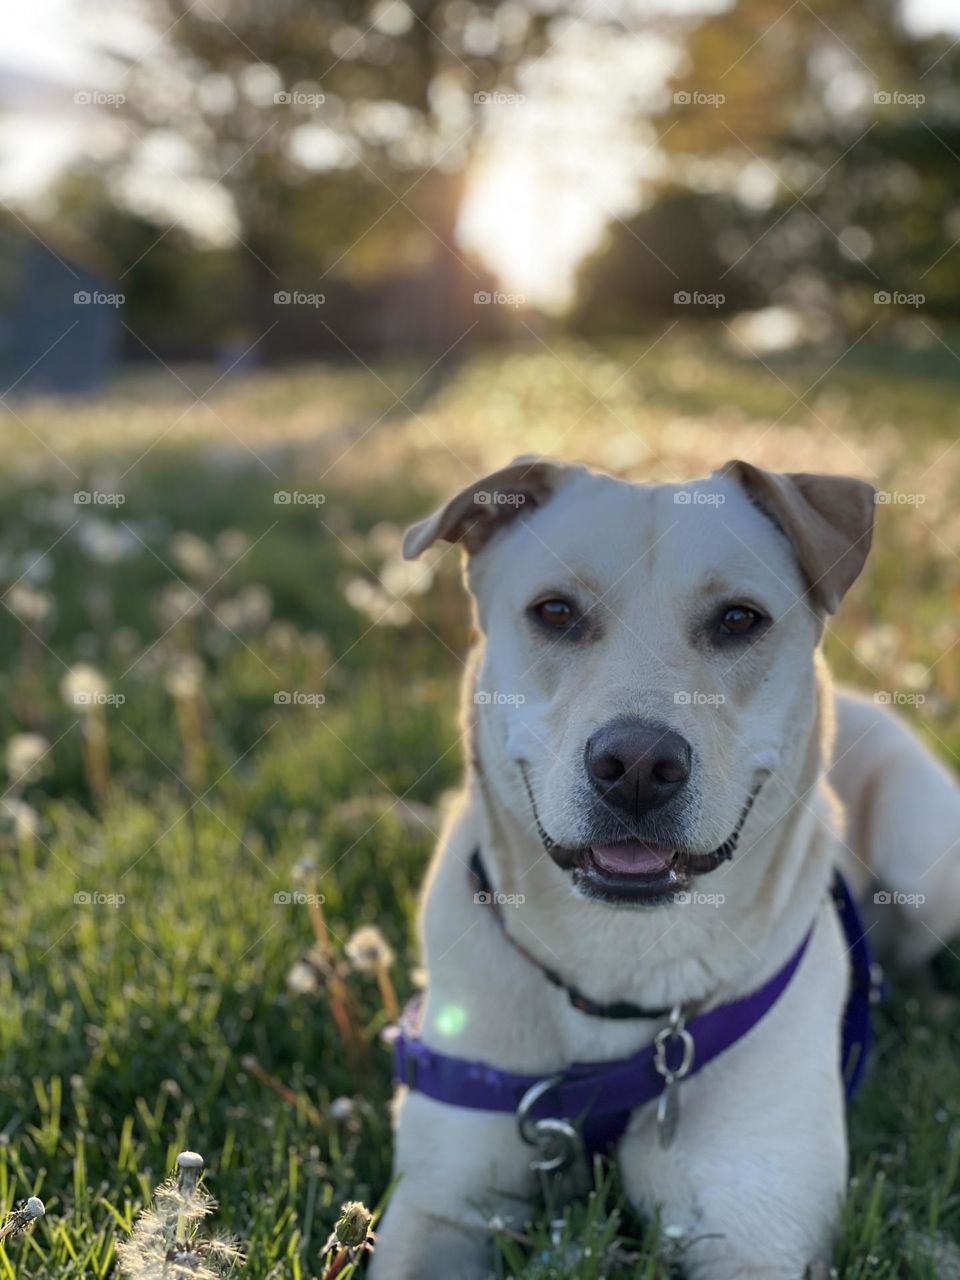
[829, 520]
[480, 510]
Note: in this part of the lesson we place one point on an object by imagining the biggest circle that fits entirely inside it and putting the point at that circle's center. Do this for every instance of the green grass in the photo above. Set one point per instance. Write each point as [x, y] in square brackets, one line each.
[126, 1032]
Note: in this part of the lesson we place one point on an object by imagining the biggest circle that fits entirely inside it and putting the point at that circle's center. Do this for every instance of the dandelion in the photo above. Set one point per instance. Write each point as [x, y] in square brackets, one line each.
[351, 1234]
[32, 608]
[166, 1242]
[23, 755]
[175, 603]
[193, 556]
[248, 611]
[19, 822]
[21, 1220]
[231, 544]
[369, 952]
[28, 604]
[86, 690]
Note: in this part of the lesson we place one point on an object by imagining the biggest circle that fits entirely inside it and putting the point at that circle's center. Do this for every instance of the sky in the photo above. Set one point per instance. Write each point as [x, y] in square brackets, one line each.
[539, 196]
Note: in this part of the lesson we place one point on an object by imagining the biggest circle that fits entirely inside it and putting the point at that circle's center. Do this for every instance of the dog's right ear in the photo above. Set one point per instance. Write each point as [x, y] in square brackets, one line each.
[476, 513]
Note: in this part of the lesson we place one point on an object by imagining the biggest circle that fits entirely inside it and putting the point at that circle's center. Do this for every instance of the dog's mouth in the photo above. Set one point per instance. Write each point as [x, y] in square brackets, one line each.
[640, 871]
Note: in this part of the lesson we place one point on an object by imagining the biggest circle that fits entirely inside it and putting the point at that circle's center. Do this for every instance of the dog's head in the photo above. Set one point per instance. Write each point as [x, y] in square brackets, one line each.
[648, 656]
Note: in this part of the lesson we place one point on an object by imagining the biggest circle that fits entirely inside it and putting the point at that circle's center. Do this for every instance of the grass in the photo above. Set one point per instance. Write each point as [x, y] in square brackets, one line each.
[131, 1031]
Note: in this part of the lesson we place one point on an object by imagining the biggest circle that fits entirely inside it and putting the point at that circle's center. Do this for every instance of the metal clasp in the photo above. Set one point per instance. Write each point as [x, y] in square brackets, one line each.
[561, 1164]
[668, 1104]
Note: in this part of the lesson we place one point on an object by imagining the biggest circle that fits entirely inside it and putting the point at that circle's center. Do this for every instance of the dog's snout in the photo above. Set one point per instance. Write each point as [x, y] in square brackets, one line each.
[637, 766]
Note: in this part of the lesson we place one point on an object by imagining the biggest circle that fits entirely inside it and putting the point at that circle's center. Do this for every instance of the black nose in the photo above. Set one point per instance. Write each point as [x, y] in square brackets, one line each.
[637, 766]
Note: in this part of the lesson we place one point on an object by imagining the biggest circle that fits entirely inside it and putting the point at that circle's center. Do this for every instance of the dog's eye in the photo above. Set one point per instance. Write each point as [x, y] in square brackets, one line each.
[737, 619]
[555, 612]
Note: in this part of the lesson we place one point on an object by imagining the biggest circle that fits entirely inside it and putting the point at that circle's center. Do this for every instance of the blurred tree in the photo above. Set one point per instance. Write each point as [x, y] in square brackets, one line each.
[338, 131]
[813, 155]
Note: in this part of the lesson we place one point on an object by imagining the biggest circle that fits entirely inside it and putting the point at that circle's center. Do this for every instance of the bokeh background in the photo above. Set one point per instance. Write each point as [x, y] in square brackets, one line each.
[273, 278]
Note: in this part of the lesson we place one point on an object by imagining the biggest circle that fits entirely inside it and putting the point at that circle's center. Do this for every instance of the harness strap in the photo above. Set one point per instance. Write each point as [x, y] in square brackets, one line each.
[600, 1096]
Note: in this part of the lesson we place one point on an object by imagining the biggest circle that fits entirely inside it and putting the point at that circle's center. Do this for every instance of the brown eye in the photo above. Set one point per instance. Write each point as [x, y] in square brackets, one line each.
[737, 619]
[556, 613]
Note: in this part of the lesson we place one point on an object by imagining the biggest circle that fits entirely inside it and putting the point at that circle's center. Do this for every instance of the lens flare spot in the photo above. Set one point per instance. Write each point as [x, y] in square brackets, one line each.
[451, 1020]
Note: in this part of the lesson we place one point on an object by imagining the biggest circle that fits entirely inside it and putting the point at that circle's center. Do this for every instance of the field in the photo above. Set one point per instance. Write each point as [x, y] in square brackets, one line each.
[144, 996]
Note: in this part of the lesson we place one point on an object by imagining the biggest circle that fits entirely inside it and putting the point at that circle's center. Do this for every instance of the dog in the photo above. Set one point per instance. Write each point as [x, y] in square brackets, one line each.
[651, 726]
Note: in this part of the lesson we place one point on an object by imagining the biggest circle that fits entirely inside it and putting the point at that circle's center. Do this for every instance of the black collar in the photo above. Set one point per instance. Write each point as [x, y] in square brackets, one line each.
[487, 895]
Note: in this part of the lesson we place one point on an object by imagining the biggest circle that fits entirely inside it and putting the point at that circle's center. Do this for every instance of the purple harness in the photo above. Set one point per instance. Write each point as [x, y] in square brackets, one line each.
[599, 1097]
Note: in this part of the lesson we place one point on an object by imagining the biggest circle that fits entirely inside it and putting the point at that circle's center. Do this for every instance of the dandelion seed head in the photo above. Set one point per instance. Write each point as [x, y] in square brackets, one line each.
[23, 753]
[83, 686]
[353, 1225]
[368, 950]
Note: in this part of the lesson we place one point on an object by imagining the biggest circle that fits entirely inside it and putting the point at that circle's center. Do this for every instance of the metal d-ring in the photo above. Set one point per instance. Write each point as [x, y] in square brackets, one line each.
[548, 1132]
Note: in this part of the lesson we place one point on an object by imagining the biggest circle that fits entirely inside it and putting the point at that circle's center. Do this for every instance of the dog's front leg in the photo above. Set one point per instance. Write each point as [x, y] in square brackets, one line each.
[756, 1175]
[457, 1170]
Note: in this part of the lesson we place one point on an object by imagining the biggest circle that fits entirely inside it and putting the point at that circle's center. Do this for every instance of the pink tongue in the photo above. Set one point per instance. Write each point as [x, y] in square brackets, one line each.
[633, 856]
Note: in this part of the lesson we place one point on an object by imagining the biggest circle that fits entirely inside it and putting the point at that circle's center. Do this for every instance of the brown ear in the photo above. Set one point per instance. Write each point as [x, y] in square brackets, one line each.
[829, 520]
[476, 513]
